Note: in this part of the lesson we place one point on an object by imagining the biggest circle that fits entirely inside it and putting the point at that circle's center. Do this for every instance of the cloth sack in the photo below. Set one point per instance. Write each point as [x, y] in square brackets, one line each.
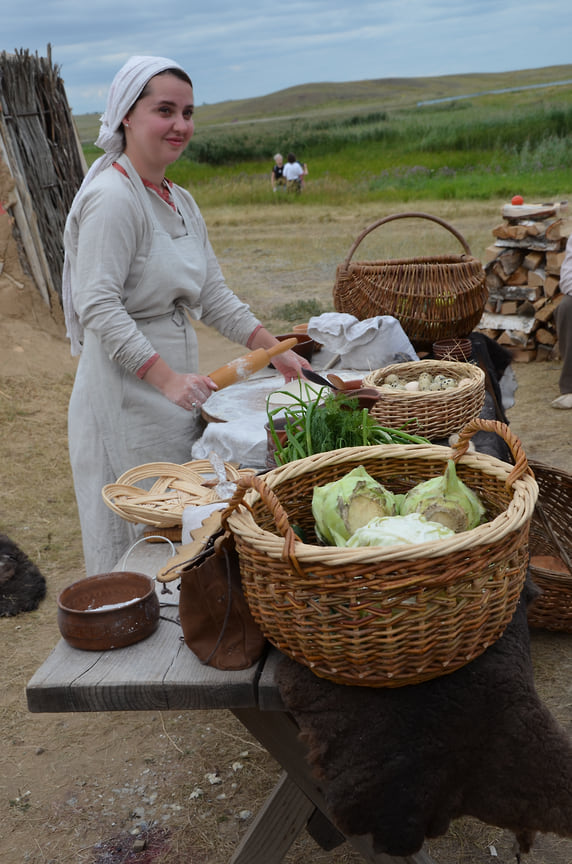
[369, 344]
[216, 620]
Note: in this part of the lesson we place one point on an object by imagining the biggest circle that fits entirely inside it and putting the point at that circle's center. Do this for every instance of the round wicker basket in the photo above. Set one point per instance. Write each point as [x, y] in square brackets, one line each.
[433, 297]
[174, 487]
[384, 616]
[431, 413]
[551, 550]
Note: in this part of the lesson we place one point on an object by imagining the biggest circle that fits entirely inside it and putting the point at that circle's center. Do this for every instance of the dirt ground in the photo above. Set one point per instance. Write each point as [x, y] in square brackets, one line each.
[81, 788]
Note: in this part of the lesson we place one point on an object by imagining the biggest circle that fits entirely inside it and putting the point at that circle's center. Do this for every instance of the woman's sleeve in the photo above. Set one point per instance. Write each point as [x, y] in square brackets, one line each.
[108, 239]
[566, 270]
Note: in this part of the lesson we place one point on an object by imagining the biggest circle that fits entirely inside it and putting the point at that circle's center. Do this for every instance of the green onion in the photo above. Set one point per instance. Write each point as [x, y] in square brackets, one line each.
[328, 422]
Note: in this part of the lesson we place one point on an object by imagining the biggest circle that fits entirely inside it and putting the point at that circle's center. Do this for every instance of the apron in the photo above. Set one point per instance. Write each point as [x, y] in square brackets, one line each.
[117, 421]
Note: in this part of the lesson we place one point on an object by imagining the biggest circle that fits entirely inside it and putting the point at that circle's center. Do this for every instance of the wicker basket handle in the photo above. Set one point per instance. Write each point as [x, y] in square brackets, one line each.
[410, 215]
[479, 424]
[256, 481]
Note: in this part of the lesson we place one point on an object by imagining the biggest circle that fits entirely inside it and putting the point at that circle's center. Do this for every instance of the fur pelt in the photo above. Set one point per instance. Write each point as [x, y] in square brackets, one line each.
[22, 586]
[401, 763]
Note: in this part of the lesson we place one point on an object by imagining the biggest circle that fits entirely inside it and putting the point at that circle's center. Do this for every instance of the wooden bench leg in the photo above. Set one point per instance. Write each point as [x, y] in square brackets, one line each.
[276, 826]
[323, 832]
[278, 733]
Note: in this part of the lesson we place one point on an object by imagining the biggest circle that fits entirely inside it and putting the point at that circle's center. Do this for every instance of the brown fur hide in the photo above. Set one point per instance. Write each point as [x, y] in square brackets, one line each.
[402, 763]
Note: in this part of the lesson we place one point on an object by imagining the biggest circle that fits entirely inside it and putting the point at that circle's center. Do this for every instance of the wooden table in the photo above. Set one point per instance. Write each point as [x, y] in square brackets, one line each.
[162, 674]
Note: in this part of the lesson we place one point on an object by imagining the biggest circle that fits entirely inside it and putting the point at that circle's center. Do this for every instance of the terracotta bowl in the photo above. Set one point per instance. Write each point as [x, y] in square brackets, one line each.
[305, 346]
[110, 610]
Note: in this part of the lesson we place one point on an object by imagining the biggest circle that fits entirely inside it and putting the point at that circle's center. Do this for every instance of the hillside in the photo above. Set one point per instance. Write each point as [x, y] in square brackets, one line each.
[371, 95]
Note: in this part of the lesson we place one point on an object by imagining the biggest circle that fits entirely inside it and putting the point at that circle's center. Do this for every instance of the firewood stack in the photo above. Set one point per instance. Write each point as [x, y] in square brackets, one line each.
[523, 279]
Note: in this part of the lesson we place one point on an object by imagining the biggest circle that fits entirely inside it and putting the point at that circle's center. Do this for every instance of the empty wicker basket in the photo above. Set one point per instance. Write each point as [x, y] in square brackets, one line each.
[434, 297]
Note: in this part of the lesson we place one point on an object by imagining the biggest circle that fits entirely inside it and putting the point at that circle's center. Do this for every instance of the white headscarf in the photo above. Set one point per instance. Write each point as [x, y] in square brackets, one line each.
[125, 88]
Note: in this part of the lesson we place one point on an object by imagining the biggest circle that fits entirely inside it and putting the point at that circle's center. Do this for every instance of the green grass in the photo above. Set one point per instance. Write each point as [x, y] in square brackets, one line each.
[372, 141]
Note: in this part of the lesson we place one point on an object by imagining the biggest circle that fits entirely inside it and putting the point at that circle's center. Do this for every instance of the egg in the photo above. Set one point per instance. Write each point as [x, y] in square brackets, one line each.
[425, 380]
[448, 383]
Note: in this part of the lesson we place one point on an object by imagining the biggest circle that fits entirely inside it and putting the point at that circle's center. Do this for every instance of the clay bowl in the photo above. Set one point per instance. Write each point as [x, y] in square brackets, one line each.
[366, 396]
[305, 346]
[110, 610]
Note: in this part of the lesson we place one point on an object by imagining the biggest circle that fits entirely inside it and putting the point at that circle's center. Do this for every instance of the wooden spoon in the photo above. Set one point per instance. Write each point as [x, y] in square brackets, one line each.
[340, 384]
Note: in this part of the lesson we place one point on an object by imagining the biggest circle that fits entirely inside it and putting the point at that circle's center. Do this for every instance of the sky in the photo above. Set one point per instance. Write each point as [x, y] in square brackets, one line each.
[239, 51]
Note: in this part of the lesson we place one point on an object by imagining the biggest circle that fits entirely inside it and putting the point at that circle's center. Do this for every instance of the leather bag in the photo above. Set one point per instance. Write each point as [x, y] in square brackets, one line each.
[215, 618]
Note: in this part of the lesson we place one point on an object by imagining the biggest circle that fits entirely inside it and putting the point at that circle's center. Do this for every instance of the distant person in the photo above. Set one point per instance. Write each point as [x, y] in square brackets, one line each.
[294, 173]
[563, 316]
[277, 178]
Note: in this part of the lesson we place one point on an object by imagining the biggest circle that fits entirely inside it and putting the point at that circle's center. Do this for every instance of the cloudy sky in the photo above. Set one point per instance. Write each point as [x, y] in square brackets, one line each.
[241, 50]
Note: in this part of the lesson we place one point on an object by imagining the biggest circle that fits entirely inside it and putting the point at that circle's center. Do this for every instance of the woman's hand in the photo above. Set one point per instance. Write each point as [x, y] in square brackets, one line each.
[189, 391]
[290, 365]
[184, 389]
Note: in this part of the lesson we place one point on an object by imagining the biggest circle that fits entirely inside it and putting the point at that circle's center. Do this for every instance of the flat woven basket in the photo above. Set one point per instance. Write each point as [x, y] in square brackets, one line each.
[551, 550]
[432, 413]
[384, 616]
[433, 297]
[175, 487]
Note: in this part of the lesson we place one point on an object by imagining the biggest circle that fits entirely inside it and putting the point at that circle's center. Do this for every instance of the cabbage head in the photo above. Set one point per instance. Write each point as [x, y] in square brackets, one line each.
[398, 530]
[445, 499]
[342, 506]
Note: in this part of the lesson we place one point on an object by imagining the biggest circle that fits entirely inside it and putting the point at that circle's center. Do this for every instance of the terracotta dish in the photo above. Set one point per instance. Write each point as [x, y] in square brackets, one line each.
[110, 610]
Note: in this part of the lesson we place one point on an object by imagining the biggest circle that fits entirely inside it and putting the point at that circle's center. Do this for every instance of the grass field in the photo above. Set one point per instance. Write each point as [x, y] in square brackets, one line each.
[460, 137]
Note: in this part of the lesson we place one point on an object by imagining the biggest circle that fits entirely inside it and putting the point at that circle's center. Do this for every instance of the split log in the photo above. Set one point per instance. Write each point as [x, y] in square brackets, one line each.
[533, 260]
[544, 336]
[551, 286]
[554, 261]
[547, 311]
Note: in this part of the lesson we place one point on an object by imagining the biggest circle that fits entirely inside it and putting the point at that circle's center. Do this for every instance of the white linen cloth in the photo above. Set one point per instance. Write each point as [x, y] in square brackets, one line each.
[125, 88]
[243, 441]
[368, 344]
[194, 515]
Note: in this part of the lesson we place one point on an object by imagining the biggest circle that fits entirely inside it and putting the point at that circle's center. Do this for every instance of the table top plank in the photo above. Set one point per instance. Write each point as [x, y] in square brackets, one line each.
[158, 673]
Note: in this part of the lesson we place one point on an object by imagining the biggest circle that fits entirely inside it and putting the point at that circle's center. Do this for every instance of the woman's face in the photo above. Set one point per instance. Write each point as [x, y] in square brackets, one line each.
[159, 126]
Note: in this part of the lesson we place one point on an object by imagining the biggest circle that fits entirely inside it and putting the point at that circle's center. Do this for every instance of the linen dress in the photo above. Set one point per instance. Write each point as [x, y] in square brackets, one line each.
[138, 270]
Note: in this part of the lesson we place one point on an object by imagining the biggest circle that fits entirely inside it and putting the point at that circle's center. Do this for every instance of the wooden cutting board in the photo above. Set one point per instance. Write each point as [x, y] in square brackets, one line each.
[248, 398]
[241, 399]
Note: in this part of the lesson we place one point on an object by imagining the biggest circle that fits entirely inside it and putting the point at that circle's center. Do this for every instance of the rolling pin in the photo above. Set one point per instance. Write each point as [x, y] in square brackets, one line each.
[243, 367]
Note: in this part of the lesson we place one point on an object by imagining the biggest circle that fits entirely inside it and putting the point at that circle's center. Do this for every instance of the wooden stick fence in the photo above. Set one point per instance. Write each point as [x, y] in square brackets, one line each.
[40, 146]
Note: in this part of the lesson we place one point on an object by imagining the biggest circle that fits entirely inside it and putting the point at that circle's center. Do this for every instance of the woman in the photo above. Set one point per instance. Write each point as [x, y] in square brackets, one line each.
[139, 267]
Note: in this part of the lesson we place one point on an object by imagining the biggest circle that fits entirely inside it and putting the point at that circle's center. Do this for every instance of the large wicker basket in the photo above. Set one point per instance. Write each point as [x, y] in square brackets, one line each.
[433, 297]
[384, 616]
[551, 550]
[432, 413]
